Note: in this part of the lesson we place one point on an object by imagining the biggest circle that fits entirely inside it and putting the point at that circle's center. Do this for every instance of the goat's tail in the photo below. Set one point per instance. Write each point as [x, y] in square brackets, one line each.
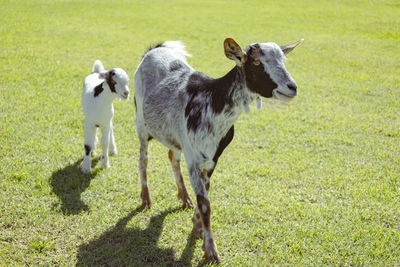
[175, 45]
[98, 67]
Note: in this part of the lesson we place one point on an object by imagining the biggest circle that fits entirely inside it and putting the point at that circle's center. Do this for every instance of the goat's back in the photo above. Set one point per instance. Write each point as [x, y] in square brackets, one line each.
[159, 64]
[160, 85]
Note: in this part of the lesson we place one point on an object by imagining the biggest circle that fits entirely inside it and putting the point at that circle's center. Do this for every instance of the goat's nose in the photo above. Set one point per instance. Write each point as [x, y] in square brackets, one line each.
[292, 86]
[126, 93]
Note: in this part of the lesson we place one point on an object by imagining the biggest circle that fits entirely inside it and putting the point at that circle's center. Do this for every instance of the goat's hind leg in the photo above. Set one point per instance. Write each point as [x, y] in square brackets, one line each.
[143, 160]
[175, 158]
[89, 145]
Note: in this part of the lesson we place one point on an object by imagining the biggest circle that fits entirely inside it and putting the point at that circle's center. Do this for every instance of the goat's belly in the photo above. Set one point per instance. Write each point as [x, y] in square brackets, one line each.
[163, 126]
[165, 137]
[171, 143]
[101, 119]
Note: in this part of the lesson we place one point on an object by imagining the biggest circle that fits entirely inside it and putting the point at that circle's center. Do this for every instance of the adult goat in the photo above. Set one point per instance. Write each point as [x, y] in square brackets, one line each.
[192, 113]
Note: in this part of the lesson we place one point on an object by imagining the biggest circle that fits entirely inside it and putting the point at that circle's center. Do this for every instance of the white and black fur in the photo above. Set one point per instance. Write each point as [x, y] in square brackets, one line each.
[100, 89]
[189, 112]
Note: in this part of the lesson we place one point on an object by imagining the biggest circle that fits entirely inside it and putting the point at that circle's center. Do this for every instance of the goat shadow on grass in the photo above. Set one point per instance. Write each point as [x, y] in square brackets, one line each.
[69, 183]
[122, 246]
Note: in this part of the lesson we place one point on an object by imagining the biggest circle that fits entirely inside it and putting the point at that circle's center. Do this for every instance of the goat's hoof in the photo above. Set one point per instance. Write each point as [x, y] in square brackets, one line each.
[188, 204]
[85, 170]
[146, 204]
[113, 152]
[197, 232]
[145, 196]
[212, 258]
[106, 165]
[210, 252]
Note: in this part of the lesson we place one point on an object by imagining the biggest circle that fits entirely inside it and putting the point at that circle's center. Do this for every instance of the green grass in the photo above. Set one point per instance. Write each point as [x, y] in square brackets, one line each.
[313, 182]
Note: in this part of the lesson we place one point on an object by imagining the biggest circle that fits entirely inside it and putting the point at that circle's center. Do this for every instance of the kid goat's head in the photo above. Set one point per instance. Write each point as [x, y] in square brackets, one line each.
[264, 67]
[117, 80]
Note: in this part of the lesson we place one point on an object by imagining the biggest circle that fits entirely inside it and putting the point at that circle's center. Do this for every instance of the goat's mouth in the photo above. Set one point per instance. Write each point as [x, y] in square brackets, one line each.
[290, 96]
[124, 96]
[283, 96]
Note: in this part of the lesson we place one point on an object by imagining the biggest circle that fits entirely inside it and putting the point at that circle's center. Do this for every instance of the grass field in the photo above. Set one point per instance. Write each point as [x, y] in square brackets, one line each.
[312, 182]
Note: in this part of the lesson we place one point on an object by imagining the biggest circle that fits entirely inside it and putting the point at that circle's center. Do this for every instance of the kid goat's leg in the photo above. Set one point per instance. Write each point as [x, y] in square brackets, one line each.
[105, 143]
[113, 146]
[175, 158]
[204, 210]
[143, 159]
[89, 145]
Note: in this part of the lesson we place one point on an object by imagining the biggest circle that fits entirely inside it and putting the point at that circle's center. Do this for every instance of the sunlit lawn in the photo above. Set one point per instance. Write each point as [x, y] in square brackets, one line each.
[312, 182]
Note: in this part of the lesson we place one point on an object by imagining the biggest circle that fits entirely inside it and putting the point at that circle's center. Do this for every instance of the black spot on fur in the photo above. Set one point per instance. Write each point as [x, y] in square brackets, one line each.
[98, 89]
[97, 125]
[210, 172]
[153, 46]
[257, 80]
[223, 143]
[87, 150]
[193, 112]
[150, 137]
[217, 92]
[110, 81]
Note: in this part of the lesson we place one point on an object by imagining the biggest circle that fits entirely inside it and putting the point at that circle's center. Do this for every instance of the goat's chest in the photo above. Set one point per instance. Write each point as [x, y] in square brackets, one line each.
[99, 113]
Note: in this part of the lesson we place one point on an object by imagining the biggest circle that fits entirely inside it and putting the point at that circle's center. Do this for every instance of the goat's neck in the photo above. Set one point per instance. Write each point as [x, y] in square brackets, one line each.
[230, 95]
[232, 90]
[109, 96]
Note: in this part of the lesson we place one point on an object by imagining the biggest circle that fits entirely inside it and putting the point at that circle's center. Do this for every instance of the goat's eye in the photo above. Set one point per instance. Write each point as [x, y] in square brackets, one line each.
[256, 62]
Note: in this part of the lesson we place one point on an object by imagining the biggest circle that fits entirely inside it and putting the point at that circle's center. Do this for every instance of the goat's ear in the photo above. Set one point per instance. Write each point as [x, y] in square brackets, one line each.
[103, 75]
[287, 48]
[234, 51]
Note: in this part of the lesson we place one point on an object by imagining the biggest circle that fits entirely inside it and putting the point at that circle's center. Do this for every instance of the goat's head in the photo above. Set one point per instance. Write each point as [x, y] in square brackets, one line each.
[264, 67]
[117, 80]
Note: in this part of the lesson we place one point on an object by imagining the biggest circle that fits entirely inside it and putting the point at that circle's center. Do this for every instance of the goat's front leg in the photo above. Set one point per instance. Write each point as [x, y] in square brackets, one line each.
[105, 143]
[89, 145]
[113, 146]
[197, 230]
[203, 214]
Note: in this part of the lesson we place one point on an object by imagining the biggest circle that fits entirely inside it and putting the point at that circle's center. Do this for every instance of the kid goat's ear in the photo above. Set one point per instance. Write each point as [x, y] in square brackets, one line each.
[103, 75]
[106, 74]
[234, 52]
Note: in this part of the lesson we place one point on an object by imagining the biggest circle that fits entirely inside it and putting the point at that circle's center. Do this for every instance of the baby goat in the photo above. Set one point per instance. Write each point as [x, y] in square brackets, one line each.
[192, 113]
[100, 89]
